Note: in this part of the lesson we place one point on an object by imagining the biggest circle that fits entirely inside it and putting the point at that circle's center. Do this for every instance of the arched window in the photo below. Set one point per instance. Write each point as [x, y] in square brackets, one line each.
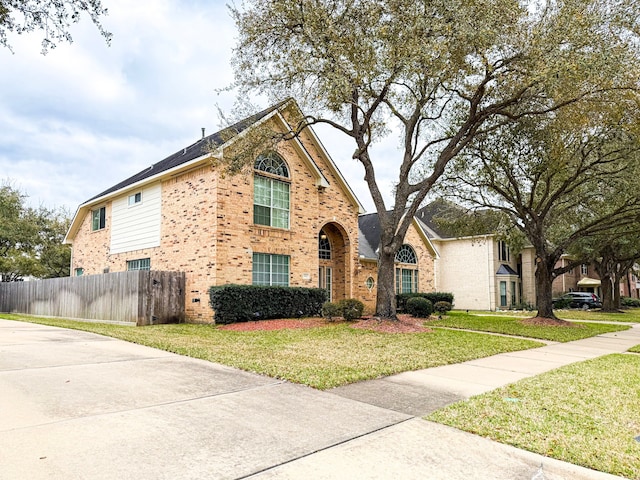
[407, 275]
[324, 246]
[271, 195]
[406, 254]
[272, 163]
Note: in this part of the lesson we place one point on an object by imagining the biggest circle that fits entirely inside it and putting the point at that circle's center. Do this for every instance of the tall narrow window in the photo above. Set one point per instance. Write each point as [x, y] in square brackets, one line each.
[98, 218]
[325, 280]
[513, 294]
[584, 269]
[503, 251]
[503, 294]
[270, 269]
[271, 195]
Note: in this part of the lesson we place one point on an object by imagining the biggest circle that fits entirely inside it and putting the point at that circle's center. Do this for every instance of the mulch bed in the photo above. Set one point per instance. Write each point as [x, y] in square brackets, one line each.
[404, 324]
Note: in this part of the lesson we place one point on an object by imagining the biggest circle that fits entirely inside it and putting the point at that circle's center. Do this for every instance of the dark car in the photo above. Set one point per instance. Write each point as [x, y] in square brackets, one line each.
[583, 300]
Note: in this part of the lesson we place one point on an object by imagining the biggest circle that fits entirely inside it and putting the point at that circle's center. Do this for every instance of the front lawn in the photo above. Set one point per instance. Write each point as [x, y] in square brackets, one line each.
[631, 315]
[585, 413]
[322, 357]
[514, 326]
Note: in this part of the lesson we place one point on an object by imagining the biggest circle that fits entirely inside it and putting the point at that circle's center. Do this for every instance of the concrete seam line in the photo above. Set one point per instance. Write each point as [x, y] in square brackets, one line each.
[324, 448]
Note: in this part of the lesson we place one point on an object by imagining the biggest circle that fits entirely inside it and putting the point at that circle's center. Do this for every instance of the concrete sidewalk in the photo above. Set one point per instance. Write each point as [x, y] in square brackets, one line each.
[74, 405]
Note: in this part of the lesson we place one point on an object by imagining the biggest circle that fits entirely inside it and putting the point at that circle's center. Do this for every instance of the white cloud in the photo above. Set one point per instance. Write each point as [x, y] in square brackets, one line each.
[86, 116]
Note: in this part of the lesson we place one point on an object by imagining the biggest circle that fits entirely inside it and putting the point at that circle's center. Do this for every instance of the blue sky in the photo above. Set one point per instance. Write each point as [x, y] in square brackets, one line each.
[85, 116]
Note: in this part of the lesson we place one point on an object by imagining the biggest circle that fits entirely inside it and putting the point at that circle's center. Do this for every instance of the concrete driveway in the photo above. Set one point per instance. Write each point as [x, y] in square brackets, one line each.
[75, 405]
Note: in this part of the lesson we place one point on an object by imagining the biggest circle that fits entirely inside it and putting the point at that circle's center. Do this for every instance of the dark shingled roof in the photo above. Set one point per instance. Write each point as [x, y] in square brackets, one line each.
[193, 151]
[369, 236]
[506, 270]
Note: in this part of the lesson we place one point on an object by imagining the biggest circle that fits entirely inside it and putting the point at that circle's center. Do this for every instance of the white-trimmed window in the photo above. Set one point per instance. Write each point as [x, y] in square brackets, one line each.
[406, 274]
[270, 269]
[139, 264]
[270, 194]
[584, 269]
[135, 198]
[98, 218]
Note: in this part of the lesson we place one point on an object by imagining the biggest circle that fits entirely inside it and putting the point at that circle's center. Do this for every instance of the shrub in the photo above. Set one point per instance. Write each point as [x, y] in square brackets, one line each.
[433, 297]
[562, 303]
[331, 310]
[241, 303]
[630, 302]
[442, 307]
[351, 308]
[419, 307]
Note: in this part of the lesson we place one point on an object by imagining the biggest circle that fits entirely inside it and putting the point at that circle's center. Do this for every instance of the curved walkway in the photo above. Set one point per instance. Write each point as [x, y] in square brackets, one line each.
[75, 405]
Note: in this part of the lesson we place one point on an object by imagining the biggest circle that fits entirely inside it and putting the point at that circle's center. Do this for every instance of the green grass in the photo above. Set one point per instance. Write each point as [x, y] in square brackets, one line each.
[635, 349]
[322, 357]
[586, 413]
[631, 315]
[513, 326]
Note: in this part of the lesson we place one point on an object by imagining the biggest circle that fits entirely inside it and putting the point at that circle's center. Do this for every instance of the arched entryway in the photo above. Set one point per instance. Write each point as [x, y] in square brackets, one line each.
[333, 258]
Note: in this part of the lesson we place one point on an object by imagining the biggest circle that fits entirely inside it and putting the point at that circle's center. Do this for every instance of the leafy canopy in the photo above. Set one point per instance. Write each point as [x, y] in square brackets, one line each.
[53, 17]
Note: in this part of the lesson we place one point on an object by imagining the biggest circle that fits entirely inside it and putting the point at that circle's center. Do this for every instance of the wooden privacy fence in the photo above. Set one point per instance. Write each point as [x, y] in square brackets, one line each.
[139, 297]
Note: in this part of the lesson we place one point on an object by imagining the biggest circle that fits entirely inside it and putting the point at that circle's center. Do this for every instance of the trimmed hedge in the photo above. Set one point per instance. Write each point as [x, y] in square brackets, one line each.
[348, 308]
[433, 297]
[242, 303]
[419, 307]
[442, 307]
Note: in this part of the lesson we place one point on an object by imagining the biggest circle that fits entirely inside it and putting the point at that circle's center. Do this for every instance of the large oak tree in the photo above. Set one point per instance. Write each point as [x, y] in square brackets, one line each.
[562, 183]
[441, 72]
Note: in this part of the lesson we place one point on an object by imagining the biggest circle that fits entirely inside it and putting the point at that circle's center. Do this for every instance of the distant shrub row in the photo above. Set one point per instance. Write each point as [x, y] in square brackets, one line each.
[242, 303]
[433, 297]
[630, 302]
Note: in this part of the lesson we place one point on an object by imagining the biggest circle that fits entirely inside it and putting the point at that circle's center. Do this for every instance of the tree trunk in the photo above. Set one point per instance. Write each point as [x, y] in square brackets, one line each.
[386, 291]
[544, 287]
[608, 302]
[617, 300]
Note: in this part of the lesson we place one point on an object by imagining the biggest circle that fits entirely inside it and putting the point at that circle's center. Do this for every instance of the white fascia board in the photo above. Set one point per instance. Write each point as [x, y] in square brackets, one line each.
[426, 238]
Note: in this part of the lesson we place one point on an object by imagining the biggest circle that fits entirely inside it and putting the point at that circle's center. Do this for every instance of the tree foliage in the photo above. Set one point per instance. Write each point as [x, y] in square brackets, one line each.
[440, 73]
[31, 239]
[53, 17]
[559, 181]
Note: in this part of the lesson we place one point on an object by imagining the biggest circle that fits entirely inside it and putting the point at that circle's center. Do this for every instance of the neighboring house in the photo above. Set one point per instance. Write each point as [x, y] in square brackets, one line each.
[414, 271]
[583, 278]
[290, 220]
[480, 270]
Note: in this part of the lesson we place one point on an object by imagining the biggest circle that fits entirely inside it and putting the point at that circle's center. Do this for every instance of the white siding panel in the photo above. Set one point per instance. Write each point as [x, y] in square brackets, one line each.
[134, 227]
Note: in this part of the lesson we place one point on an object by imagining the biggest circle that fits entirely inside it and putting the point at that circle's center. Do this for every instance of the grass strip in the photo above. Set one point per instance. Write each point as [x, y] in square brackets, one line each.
[586, 413]
[630, 315]
[322, 357]
[635, 349]
[514, 326]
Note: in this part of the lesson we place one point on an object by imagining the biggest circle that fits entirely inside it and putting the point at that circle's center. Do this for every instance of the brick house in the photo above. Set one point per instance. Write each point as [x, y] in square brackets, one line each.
[291, 220]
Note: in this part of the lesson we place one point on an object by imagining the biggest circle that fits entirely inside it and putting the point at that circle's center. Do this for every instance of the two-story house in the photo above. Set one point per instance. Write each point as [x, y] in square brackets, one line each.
[289, 219]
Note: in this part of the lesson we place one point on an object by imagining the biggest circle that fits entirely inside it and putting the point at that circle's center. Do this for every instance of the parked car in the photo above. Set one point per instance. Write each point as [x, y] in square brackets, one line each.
[583, 300]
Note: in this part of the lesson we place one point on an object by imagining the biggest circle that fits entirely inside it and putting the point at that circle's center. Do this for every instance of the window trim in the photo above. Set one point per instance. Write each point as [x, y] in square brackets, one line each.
[271, 274]
[98, 222]
[137, 199]
[139, 264]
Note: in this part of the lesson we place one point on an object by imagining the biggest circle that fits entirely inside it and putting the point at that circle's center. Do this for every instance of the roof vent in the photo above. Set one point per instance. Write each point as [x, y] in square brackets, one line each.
[202, 132]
